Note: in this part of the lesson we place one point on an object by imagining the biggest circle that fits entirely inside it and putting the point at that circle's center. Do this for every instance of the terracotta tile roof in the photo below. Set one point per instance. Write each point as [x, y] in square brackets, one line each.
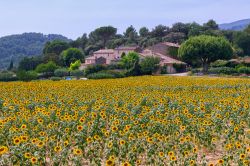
[126, 48]
[247, 59]
[104, 51]
[90, 58]
[164, 59]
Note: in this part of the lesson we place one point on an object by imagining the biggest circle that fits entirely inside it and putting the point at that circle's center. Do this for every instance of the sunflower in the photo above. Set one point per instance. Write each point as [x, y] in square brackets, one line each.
[27, 155]
[77, 151]
[150, 140]
[191, 162]
[220, 161]
[171, 153]
[79, 128]
[242, 156]
[161, 154]
[114, 128]
[89, 140]
[33, 160]
[66, 143]
[173, 158]
[122, 142]
[126, 164]
[3, 150]
[110, 144]
[40, 144]
[58, 149]
[17, 141]
[109, 162]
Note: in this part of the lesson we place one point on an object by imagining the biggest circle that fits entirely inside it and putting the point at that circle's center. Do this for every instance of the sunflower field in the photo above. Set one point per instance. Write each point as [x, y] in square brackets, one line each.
[150, 120]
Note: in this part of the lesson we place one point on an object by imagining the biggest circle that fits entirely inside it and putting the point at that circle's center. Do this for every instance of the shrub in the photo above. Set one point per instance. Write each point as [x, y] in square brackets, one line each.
[179, 67]
[77, 73]
[55, 78]
[164, 69]
[244, 70]
[222, 70]
[27, 75]
[100, 75]
[75, 65]
[115, 66]
[219, 63]
[62, 72]
[48, 68]
[94, 69]
[116, 74]
[7, 76]
[149, 65]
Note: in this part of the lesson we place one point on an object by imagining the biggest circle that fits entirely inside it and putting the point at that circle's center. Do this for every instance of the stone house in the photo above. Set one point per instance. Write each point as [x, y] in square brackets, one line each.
[165, 51]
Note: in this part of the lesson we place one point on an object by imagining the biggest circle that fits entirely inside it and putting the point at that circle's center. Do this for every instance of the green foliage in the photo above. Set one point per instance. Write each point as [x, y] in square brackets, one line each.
[242, 40]
[71, 55]
[75, 65]
[131, 63]
[205, 49]
[7, 76]
[94, 69]
[244, 70]
[149, 65]
[222, 70]
[77, 73]
[211, 25]
[219, 63]
[29, 63]
[104, 34]
[55, 47]
[179, 67]
[131, 36]
[11, 66]
[129, 60]
[116, 73]
[53, 57]
[27, 75]
[164, 69]
[247, 30]
[100, 75]
[16, 47]
[173, 51]
[47, 68]
[55, 78]
[62, 72]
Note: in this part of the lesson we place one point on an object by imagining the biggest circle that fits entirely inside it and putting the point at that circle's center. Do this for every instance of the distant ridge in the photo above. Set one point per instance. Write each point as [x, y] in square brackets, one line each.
[27, 44]
[235, 26]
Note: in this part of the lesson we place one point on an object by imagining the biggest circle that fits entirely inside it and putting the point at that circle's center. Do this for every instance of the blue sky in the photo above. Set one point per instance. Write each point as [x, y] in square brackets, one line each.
[72, 18]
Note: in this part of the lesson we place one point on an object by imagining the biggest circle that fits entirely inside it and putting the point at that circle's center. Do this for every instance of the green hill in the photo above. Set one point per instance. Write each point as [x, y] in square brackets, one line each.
[28, 44]
[236, 26]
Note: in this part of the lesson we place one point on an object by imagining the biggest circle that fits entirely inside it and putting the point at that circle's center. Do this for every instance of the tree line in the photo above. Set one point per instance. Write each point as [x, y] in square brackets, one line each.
[61, 54]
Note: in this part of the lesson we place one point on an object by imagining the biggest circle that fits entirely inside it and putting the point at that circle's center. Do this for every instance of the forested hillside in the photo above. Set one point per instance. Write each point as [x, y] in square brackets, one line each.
[236, 26]
[15, 47]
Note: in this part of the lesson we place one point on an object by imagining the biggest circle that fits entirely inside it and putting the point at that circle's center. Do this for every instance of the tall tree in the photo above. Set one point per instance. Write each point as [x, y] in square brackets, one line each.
[160, 31]
[205, 49]
[181, 28]
[211, 25]
[11, 65]
[29, 63]
[242, 40]
[103, 34]
[131, 35]
[71, 55]
[149, 65]
[144, 32]
[55, 47]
